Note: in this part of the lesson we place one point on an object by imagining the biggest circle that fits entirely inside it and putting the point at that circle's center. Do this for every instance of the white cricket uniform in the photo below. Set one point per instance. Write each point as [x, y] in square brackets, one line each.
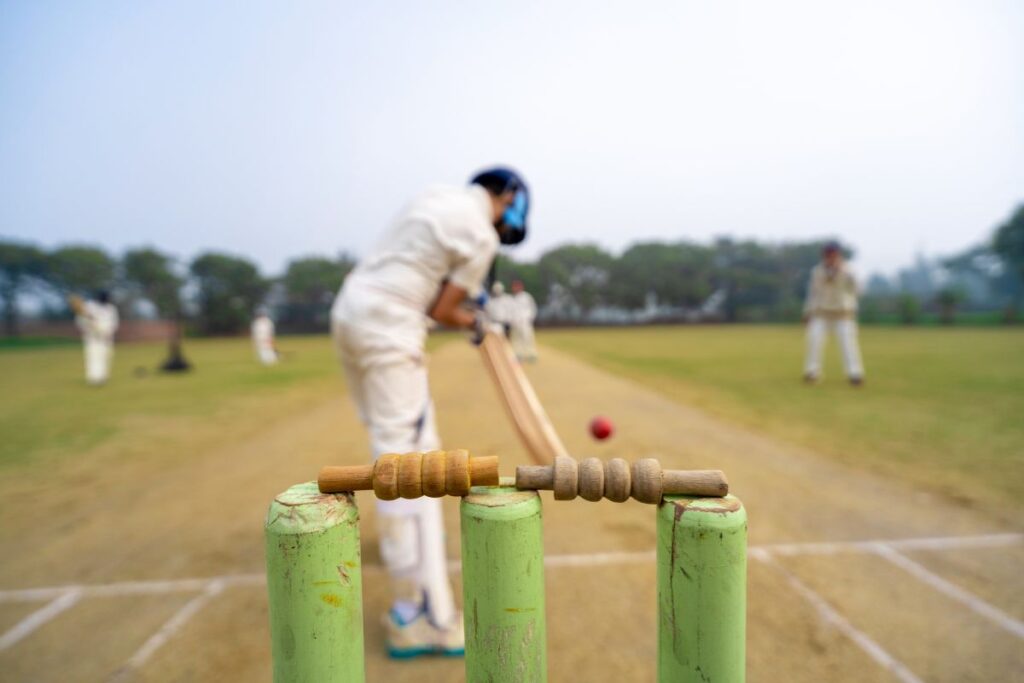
[263, 339]
[832, 306]
[524, 313]
[98, 323]
[379, 323]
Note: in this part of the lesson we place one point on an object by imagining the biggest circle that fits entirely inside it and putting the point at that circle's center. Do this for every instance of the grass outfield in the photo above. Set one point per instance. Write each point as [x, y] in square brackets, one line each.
[941, 407]
[47, 411]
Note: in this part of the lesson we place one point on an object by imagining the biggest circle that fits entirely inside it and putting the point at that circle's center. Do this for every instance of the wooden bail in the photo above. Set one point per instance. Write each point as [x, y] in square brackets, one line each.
[411, 475]
[617, 480]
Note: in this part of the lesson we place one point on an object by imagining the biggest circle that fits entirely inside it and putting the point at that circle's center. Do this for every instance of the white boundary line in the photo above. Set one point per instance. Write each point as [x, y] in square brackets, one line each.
[829, 614]
[66, 600]
[951, 590]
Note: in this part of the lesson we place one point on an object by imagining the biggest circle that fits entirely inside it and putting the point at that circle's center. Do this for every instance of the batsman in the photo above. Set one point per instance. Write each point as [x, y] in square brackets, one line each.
[435, 257]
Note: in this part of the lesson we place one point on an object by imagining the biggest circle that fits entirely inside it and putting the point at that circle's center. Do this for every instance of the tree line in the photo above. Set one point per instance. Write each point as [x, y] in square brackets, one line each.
[214, 293]
[767, 282]
[217, 293]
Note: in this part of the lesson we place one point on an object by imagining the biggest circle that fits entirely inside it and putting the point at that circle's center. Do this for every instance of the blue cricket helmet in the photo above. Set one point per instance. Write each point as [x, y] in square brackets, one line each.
[499, 180]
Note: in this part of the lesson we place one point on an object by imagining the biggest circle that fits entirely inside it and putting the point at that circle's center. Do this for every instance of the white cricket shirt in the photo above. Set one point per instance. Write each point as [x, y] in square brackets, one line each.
[98, 322]
[262, 331]
[444, 234]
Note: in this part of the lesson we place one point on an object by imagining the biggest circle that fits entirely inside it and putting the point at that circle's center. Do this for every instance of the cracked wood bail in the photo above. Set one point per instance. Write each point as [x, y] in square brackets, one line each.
[412, 475]
[617, 480]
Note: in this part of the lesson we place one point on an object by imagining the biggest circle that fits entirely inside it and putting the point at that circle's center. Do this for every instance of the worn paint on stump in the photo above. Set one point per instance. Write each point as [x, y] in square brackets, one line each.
[702, 590]
[503, 586]
[315, 586]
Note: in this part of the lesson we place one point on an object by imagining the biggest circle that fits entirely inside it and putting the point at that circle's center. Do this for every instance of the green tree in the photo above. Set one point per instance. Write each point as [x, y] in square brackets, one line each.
[1009, 242]
[678, 274]
[948, 299]
[581, 270]
[79, 269]
[506, 270]
[151, 273]
[310, 285]
[20, 265]
[229, 289]
[909, 308]
[746, 271]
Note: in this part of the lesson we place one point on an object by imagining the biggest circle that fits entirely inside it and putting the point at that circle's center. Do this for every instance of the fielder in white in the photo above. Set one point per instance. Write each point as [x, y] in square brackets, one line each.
[434, 257]
[98, 321]
[524, 312]
[263, 338]
[832, 306]
[500, 307]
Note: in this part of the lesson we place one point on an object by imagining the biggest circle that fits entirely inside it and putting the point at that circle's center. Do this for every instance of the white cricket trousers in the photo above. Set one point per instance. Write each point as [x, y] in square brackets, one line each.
[845, 329]
[97, 360]
[266, 354]
[392, 396]
[523, 342]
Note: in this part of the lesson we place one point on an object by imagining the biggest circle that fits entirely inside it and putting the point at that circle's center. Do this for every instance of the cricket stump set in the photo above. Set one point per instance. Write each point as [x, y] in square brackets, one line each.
[314, 572]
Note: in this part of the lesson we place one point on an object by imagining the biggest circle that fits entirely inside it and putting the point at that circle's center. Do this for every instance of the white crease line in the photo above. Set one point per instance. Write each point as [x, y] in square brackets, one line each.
[952, 542]
[106, 590]
[934, 543]
[829, 614]
[584, 560]
[568, 560]
[951, 590]
[36, 619]
[598, 559]
[170, 628]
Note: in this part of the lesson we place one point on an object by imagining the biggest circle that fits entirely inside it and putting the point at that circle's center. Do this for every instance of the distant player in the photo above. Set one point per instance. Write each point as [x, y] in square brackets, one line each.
[263, 338]
[98, 321]
[832, 306]
[524, 312]
[434, 257]
[499, 307]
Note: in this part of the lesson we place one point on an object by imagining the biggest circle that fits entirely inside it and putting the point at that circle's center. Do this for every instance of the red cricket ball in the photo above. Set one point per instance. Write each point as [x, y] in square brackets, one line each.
[601, 428]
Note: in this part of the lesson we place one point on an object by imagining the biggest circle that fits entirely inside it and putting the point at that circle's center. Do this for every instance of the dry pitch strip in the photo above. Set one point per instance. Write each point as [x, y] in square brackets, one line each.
[314, 574]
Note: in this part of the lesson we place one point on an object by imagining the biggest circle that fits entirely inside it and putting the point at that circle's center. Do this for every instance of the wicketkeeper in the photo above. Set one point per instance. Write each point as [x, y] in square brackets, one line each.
[524, 313]
[832, 306]
[434, 257]
[499, 307]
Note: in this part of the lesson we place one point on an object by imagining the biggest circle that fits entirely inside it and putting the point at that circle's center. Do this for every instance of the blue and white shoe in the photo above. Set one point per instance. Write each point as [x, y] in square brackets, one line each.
[413, 635]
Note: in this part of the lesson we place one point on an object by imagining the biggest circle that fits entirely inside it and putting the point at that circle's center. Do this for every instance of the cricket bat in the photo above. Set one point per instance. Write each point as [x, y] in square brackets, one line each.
[532, 424]
[76, 304]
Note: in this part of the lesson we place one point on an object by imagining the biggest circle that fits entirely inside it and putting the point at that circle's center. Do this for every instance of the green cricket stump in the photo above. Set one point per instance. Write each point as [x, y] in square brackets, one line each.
[503, 586]
[702, 590]
[314, 582]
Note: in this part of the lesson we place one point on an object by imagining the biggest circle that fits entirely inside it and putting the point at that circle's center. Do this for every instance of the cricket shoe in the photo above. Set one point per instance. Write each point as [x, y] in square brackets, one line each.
[811, 378]
[419, 636]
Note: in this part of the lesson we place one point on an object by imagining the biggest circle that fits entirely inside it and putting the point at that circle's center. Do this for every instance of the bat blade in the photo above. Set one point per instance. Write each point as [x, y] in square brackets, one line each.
[531, 422]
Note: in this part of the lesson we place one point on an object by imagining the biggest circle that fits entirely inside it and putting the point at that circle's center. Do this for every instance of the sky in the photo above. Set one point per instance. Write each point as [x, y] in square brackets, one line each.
[281, 129]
